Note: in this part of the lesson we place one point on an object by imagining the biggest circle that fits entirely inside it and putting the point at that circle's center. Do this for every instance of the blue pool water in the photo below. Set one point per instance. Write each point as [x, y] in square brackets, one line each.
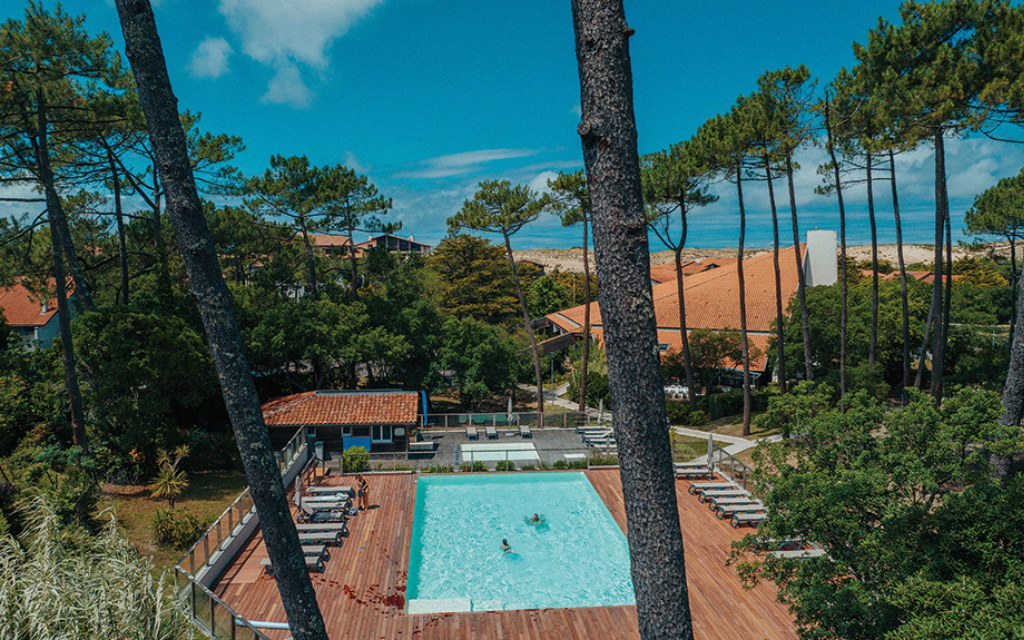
[577, 558]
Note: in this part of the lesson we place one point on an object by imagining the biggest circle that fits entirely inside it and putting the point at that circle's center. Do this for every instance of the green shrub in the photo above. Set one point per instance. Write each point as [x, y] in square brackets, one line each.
[355, 460]
[505, 465]
[176, 528]
[438, 468]
[476, 466]
[678, 412]
[697, 419]
[560, 464]
[598, 460]
[528, 467]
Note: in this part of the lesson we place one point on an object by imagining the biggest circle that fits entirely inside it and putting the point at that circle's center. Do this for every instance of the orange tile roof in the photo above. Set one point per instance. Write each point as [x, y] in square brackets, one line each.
[712, 301]
[23, 308]
[328, 240]
[343, 408]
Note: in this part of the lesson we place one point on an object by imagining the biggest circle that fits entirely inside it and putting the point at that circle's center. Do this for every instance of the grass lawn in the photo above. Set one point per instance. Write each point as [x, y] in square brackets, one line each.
[733, 426]
[207, 496]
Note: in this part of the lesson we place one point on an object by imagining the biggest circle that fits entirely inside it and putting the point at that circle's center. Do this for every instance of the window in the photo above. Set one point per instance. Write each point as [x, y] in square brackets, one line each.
[663, 346]
[381, 433]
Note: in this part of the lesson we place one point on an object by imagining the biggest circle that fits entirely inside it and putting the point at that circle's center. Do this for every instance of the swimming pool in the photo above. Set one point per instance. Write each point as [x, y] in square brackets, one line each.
[577, 558]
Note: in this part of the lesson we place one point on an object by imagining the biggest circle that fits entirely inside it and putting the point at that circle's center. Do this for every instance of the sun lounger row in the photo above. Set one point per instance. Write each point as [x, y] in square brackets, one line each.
[729, 501]
[330, 490]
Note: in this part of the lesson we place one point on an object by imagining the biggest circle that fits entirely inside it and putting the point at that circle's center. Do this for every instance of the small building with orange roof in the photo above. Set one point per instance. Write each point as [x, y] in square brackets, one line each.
[31, 316]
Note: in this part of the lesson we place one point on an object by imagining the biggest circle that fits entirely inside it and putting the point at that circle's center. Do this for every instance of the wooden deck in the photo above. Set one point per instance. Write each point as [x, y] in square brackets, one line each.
[362, 591]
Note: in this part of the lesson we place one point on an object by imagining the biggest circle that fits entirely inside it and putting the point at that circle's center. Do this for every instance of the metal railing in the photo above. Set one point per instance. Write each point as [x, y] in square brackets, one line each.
[546, 420]
[209, 613]
[736, 469]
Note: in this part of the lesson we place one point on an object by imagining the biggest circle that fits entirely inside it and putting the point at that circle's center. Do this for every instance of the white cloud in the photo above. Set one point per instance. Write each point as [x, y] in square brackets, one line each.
[540, 183]
[210, 59]
[577, 110]
[287, 87]
[462, 163]
[281, 34]
[352, 162]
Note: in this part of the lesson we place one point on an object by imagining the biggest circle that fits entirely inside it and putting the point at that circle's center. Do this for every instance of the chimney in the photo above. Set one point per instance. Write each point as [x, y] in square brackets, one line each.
[820, 265]
[46, 308]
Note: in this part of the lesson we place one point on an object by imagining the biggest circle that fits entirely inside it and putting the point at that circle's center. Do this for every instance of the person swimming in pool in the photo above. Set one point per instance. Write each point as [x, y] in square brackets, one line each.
[536, 519]
[505, 547]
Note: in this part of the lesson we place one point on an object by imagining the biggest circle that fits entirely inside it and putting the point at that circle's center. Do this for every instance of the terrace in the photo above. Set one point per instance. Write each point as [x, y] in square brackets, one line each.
[362, 590]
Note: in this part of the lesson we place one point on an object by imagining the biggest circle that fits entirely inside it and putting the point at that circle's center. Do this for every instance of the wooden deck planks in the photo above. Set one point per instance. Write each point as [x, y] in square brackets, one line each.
[362, 591]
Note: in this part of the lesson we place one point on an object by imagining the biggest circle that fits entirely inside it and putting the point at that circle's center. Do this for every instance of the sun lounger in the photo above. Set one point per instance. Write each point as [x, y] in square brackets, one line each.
[323, 527]
[327, 489]
[316, 501]
[771, 544]
[492, 433]
[524, 431]
[312, 564]
[695, 472]
[699, 487]
[317, 551]
[705, 496]
[329, 512]
[797, 554]
[471, 433]
[723, 512]
[320, 537]
[721, 501]
[420, 447]
[688, 465]
[753, 518]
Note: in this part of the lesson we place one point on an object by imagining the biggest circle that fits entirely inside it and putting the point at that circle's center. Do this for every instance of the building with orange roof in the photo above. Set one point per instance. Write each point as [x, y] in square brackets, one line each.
[712, 298]
[377, 420]
[31, 317]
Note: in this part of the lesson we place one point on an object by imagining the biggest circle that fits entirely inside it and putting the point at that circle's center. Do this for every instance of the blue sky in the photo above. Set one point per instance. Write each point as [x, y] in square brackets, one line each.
[428, 98]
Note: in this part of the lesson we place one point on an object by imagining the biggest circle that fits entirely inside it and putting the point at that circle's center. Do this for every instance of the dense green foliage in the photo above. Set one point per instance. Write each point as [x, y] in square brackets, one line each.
[921, 542]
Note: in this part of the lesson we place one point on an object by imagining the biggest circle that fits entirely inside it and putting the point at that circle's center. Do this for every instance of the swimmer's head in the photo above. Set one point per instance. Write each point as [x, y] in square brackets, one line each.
[504, 541]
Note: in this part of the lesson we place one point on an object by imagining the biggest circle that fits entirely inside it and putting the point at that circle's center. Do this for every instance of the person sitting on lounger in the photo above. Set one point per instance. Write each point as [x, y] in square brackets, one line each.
[505, 547]
[536, 519]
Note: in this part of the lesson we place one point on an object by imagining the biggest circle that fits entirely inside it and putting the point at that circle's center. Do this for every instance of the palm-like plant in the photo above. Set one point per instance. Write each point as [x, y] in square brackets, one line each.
[170, 483]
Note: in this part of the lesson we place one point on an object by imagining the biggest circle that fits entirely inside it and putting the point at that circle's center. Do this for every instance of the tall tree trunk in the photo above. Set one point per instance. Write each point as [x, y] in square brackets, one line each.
[122, 246]
[873, 346]
[1013, 389]
[779, 323]
[842, 254]
[585, 365]
[941, 211]
[608, 135]
[801, 277]
[54, 212]
[163, 272]
[310, 259]
[744, 344]
[903, 281]
[527, 325]
[56, 207]
[919, 377]
[948, 301]
[681, 293]
[353, 294]
[214, 301]
[1014, 276]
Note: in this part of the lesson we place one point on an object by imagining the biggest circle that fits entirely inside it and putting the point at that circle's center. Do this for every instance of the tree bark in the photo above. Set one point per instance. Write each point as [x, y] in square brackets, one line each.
[55, 207]
[353, 294]
[1013, 389]
[122, 247]
[873, 345]
[691, 390]
[941, 211]
[145, 53]
[744, 344]
[903, 281]
[527, 325]
[801, 278]
[585, 365]
[67, 348]
[608, 136]
[779, 323]
[842, 253]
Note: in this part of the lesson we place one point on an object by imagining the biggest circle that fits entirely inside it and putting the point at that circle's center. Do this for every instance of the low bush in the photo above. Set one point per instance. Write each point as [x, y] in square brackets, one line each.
[476, 466]
[355, 460]
[560, 464]
[176, 528]
[505, 465]
[438, 468]
[598, 460]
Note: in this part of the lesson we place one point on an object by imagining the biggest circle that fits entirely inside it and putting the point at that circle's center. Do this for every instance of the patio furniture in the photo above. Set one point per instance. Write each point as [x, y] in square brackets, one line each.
[317, 551]
[705, 496]
[698, 487]
[492, 433]
[312, 564]
[524, 431]
[330, 490]
[320, 537]
[338, 528]
[722, 501]
[797, 554]
[752, 518]
[419, 447]
[471, 433]
[322, 512]
[695, 472]
[726, 510]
